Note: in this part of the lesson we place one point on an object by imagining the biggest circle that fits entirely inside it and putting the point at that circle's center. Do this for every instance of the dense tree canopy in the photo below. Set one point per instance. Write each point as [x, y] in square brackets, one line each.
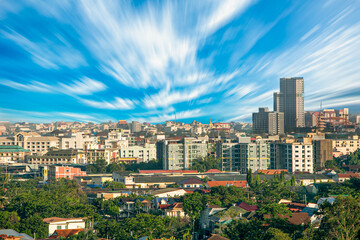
[204, 164]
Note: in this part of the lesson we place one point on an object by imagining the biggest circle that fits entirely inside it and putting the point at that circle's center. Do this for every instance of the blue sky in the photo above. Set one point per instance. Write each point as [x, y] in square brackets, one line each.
[140, 60]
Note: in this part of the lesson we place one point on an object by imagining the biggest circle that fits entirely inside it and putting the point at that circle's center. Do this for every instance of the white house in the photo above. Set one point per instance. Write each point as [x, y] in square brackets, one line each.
[56, 223]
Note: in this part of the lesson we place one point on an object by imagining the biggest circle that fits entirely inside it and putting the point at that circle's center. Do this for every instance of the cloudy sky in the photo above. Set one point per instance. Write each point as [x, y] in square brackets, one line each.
[140, 60]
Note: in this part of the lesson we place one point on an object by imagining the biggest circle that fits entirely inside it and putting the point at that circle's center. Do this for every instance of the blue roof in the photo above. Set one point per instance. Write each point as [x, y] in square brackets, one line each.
[11, 232]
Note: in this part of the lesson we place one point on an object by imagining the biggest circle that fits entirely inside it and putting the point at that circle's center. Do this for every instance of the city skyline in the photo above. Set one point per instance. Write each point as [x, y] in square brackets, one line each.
[99, 61]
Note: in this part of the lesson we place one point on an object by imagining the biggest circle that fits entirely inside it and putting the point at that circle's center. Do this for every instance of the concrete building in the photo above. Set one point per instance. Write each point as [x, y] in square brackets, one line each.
[12, 153]
[346, 146]
[294, 157]
[268, 122]
[179, 154]
[31, 141]
[135, 127]
[322, 152]
[108, 154]
[55, 156]
[290, 101]
[143, 153]
[243, 156]
[56, 172]
[75, 141]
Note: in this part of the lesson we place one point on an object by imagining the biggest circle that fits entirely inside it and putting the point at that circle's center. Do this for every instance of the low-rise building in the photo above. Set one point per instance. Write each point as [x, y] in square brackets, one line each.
[56, 172]
[346, 146]
[55, 223]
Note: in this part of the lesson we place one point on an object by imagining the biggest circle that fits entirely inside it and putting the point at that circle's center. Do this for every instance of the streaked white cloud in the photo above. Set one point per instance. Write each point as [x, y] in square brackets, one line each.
[117, 104]
[47, 53]
[33, 86]
[84, 86]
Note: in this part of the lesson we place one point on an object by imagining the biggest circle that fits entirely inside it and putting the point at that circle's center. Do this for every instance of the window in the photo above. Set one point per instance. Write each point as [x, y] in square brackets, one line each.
[58, 227]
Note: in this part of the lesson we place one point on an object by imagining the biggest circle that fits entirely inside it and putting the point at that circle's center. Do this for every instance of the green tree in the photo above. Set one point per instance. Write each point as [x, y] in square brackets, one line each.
[9, 220]
[34, 225]
[113, 185]
[257, 180]
[276, 234]
[115, 167]
[111, 208]
[204, 164]
[341, 219]
[249, 177]
[99, 166]
[193, 205]
[275, 210]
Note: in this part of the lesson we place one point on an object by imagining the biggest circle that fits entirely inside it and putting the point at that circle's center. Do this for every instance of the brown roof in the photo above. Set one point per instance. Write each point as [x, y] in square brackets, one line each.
[57, 219]
[217, 237]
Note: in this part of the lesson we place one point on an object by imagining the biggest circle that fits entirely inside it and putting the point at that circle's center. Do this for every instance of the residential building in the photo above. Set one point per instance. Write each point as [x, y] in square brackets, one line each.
[135, 127]
[294, 157]
[243, 156]
[74, 141]
[346, 146]
[11, 153]
[268, 122]
[290, 101]
[179, 154]
[56, 223]
[143, 153]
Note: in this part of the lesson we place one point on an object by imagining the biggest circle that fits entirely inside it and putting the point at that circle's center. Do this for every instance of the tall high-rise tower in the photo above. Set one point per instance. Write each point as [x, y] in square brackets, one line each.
[290, 101]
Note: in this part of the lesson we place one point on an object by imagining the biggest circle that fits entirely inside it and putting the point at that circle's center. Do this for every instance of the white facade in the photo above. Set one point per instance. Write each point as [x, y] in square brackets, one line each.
[346, 146]
[64, 223]
[299, 158]
[145, 153]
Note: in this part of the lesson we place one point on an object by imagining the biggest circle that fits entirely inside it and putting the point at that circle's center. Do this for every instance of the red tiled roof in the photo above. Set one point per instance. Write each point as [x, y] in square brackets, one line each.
[348, 175]
[213, 171]
[66, 232]
[163, 206]
[227, 183]
[248, 207]
[190, 192]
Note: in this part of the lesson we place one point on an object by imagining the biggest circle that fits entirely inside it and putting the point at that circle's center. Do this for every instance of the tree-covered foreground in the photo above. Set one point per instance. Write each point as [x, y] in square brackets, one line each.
[25, 204]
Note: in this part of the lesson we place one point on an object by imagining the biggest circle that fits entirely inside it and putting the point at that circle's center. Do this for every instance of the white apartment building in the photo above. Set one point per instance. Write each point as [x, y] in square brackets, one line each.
[294, 157]
[144, 153]
[75, 141]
